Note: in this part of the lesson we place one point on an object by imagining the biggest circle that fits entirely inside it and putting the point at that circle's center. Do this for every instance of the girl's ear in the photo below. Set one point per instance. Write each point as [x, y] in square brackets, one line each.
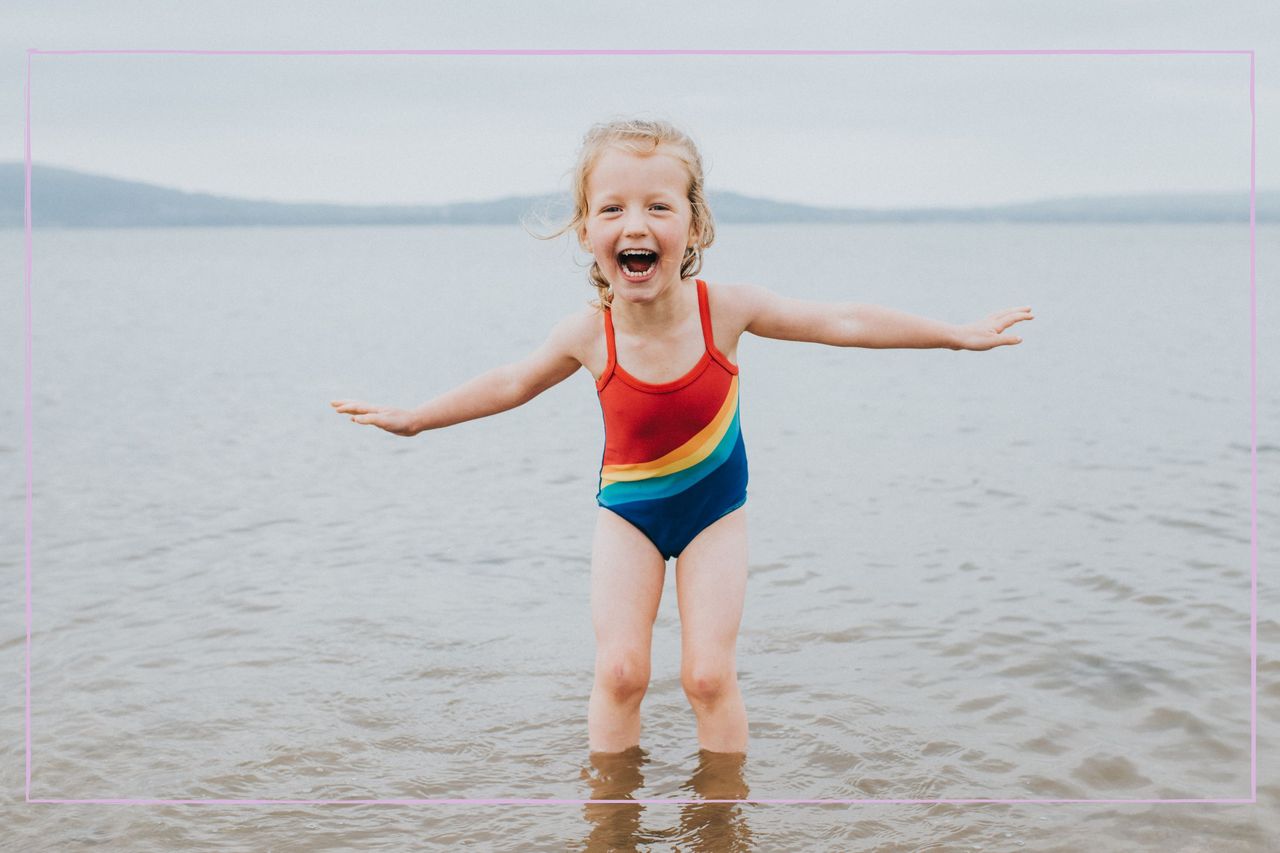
[695, 236]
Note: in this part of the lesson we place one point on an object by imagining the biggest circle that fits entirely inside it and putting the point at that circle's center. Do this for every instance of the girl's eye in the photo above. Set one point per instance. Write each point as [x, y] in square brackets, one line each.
[612, 207]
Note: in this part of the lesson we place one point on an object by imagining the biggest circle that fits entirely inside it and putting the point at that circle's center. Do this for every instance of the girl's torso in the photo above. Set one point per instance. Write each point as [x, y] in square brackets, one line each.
[674, 461]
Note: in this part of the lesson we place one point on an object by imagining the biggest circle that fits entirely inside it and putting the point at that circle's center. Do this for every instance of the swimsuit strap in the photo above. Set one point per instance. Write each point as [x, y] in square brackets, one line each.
[612, 361]
[608, 337]
[704, 311]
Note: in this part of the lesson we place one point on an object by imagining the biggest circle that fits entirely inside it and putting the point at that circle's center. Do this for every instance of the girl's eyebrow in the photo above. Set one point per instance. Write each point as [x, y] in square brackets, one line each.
[659, 195]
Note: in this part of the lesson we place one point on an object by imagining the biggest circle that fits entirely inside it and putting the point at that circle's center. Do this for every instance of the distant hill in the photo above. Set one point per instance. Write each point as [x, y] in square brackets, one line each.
[70, 199]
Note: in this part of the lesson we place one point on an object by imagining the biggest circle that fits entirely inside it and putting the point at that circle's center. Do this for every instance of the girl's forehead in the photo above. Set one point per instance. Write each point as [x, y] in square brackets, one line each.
[617, 165]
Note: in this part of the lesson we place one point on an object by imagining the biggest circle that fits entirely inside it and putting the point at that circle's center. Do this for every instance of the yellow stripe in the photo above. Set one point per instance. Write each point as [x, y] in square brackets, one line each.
[686, 455]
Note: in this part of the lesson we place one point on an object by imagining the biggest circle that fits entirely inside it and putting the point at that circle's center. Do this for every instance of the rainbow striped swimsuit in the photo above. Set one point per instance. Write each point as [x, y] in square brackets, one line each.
[674, 461]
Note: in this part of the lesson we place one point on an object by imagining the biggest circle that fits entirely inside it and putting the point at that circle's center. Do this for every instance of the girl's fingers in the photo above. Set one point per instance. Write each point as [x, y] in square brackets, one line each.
[1005, 319]
[350, 407]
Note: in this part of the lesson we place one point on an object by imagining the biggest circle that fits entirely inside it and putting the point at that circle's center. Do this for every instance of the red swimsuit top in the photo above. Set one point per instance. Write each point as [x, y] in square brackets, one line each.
[645, 422]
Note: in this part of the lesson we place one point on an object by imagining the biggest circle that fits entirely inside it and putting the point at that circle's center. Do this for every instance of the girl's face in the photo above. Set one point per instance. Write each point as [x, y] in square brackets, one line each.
[638, 202]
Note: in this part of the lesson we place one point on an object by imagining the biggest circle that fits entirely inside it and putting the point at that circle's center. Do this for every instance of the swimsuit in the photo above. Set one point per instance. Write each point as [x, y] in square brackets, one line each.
[673, 459]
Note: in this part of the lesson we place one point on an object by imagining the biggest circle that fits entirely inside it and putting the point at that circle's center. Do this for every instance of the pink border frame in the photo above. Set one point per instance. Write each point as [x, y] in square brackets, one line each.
[1253, 386]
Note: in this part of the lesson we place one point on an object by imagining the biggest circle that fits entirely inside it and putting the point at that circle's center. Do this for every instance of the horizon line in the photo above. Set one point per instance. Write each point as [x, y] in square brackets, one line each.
[1244, 191]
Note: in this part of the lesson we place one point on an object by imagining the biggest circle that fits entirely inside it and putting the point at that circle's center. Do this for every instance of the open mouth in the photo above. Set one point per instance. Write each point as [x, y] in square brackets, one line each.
[637, 263]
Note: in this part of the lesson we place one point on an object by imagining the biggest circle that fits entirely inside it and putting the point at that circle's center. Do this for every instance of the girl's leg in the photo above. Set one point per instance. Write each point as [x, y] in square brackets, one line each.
[626, 585]
[711, 586]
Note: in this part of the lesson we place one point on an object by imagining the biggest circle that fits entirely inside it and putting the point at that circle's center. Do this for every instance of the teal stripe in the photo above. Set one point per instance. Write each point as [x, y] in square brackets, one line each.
[672, 484]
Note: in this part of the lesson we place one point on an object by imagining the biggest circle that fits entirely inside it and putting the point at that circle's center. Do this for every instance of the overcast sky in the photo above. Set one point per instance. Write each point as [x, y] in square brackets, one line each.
[879, 131]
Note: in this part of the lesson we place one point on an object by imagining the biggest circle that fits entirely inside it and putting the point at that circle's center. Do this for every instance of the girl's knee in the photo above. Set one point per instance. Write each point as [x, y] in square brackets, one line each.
[622, 673]
[706, 684]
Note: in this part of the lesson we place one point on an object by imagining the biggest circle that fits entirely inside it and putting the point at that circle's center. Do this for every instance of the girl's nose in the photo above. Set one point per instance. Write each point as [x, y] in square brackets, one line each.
[634, 224]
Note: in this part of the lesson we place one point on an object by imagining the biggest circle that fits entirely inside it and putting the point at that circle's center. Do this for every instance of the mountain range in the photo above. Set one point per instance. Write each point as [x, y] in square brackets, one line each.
[71, 199]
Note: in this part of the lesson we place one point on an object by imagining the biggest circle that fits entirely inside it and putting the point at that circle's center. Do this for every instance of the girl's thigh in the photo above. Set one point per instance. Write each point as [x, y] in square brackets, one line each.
[626, 583]
[711, 587]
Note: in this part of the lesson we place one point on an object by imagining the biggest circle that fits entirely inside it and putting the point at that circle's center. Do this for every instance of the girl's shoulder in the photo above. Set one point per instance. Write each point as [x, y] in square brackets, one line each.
[733, 305]
[578, 333]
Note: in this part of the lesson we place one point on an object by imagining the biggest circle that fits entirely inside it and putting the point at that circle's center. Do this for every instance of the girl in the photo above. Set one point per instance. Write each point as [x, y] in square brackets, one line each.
[674, 472]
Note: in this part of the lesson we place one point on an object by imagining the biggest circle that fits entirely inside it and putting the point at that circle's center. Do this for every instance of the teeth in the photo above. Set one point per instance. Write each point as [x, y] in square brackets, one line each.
[629, 274]
[636, 252]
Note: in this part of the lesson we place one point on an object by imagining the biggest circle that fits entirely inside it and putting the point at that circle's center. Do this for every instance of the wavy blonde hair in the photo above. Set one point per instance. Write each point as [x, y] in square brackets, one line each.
[638, 136]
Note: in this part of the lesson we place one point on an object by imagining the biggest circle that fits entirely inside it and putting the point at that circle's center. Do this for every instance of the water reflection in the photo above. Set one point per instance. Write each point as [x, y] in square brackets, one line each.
[614, 776]
[703, 826]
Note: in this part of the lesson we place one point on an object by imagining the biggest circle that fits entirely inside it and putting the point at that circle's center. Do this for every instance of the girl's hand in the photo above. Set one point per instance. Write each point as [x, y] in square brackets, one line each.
[396, 421]
[985, 334]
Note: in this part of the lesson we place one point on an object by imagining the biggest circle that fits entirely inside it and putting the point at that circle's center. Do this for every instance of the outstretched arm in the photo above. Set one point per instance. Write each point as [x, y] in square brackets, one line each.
[495, 391]
[851, 324]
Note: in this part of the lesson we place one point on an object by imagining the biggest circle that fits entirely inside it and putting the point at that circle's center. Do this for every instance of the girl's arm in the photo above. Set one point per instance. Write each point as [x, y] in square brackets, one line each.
[498, 390]
[852, 324]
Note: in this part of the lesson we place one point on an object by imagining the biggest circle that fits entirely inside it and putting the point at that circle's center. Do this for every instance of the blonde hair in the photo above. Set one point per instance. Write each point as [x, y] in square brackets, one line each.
[638, 136]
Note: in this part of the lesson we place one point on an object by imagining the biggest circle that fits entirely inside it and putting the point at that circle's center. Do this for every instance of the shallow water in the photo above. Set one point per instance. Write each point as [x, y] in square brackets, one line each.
[1022, 574]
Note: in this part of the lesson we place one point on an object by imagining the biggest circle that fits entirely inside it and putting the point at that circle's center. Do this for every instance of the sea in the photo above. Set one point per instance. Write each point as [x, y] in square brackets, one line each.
[996, 600]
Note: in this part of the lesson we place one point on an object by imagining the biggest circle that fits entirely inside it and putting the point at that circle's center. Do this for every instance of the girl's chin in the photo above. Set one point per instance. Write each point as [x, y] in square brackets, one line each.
[641, 291]
[645, 291]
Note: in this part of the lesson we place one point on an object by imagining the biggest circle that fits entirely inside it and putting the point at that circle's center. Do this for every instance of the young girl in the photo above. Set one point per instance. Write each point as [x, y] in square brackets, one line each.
[674, 473]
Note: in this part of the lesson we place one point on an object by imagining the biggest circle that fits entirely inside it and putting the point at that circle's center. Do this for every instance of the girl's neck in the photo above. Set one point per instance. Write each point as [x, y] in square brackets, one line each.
[662, 314]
